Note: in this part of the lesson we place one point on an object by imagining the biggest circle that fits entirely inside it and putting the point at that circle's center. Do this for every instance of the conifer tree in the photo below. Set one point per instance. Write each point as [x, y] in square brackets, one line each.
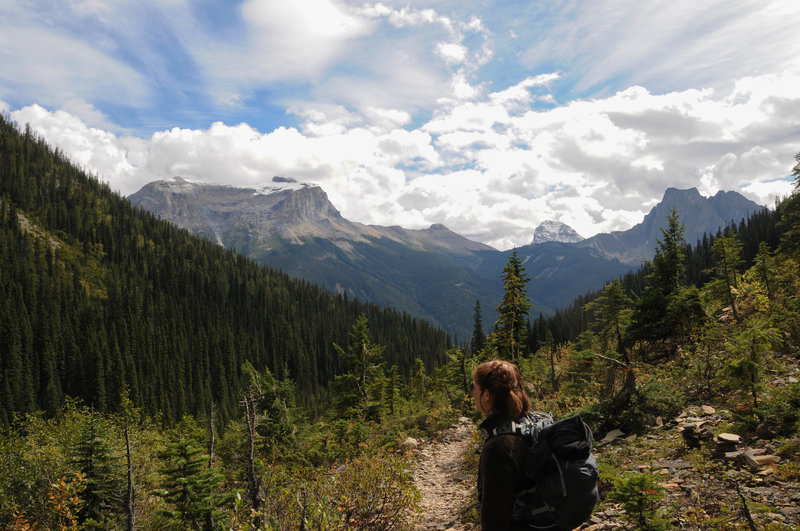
[612, 314]
[190, 486]
[419, 380]
[101, 468]
[790, 215]
[363, 362]
[667, 309]
[510, 331]
[478, 336]
[728, 251]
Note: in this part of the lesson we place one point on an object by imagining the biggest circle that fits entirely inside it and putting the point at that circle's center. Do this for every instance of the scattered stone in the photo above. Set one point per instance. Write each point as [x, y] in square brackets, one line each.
[734, 456]
[612, 436]
[759, 461]
[729, 438]
[676, 464]
[689, 435]
[409, 445]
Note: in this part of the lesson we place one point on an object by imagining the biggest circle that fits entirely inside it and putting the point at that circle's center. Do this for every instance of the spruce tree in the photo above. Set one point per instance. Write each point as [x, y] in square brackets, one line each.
[190, 486]
[790, 215]
[508, 338]
[478, 337]
[363, 362]
[101, 467]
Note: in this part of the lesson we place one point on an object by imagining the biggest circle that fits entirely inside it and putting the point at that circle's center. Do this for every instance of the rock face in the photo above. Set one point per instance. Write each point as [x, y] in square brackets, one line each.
[294, 227]
[281, 212]
[698, 214]
[555, 231]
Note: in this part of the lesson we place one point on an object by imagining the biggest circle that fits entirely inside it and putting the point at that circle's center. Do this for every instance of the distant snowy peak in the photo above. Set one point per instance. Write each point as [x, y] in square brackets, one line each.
[282, 184]
[555, 231]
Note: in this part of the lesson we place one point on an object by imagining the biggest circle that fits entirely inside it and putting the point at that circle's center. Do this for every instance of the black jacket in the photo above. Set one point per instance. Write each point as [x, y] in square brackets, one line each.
[500, 475]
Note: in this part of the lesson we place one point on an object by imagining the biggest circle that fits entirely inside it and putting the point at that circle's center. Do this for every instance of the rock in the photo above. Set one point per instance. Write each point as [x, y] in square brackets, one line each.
[409, 445]
[768, 430]
[689, 435]
[464, 420]
[729, 438]
[675, 464]
[705, 434]
[708, 410]
[613, 435]
[759, 461]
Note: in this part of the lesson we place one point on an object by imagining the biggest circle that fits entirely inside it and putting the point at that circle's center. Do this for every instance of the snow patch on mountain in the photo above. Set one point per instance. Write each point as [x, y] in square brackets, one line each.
[282, 184]
[555, 231]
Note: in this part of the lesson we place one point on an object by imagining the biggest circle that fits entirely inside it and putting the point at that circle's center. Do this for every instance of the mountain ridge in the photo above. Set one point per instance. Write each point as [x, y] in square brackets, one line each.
[432, 273]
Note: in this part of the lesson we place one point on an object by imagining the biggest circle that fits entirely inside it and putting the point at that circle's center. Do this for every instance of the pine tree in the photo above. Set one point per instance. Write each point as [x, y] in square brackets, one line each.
[478, 337]
[728, 251]
[667, 310]
[101, 467]
[510, 331]
[612, 314]
[190, 486]
[790, 215]
[363, 362]
[419, 380]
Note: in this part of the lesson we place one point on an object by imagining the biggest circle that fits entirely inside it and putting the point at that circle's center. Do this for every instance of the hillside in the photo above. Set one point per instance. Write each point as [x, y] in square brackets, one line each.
[98, 296]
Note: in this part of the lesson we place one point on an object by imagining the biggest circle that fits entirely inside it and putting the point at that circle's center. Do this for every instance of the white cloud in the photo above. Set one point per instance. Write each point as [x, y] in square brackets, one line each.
[681, 44]
[283, 40]
[492, 168]
[57, 69]
[451, 53]
[412, 115]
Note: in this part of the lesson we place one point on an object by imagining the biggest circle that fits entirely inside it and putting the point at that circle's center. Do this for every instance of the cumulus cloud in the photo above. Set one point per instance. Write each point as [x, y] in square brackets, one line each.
[491, 169]
[411, 115]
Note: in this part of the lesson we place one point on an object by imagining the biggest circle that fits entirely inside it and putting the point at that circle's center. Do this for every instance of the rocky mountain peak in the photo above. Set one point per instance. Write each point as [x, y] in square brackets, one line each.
[555, 231]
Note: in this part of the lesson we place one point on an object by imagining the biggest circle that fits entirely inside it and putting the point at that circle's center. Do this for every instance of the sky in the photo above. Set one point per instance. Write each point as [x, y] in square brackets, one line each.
[487, 116]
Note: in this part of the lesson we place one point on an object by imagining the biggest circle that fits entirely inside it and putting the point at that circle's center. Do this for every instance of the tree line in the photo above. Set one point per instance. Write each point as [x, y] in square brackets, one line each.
[97, 296]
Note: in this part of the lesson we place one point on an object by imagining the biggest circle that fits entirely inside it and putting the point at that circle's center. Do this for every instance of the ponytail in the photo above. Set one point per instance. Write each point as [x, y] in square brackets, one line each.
[504, 382]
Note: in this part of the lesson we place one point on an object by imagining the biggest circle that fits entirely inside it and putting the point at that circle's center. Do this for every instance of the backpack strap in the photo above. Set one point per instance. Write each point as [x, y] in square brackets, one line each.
[528, 425]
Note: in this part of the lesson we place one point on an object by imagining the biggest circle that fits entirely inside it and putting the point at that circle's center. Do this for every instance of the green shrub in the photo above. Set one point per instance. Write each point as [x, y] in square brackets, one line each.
[639, 493]
[783, 407]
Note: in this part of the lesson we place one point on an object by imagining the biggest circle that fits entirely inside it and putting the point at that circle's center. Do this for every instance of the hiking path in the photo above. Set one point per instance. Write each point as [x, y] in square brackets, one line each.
[441, 477]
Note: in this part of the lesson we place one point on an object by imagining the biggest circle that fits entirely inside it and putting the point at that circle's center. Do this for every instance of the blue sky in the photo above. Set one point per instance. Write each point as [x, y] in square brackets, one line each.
[489, 117]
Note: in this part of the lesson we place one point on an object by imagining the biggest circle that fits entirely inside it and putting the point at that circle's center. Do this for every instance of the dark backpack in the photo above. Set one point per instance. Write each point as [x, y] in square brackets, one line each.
[560, 486]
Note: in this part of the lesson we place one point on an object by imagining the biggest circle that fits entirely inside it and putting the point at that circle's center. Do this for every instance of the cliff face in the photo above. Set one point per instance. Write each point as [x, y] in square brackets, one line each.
[698, 214]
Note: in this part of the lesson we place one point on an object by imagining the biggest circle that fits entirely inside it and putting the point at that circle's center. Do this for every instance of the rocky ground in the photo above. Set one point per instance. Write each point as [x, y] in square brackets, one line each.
[442, 478]
[711, 478]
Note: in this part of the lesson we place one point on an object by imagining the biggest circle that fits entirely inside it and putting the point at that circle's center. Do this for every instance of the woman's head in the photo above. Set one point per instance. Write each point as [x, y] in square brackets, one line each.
[497, 389]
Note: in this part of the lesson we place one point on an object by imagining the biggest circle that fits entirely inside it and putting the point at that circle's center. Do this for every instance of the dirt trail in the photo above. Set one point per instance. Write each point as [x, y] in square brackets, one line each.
[445, 486]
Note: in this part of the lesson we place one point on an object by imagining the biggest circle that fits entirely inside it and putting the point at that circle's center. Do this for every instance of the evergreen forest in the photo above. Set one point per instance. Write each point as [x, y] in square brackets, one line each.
[150, 379]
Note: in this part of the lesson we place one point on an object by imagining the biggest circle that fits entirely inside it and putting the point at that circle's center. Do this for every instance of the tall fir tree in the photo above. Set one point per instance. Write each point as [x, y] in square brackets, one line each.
[509, 335]
[478, 340]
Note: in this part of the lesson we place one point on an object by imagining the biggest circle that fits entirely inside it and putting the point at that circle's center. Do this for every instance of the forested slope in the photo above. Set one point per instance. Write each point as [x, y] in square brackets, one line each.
[96, 295]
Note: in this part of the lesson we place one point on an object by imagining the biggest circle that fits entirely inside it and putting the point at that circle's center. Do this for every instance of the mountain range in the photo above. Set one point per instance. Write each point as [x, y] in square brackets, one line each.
[431, 273]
